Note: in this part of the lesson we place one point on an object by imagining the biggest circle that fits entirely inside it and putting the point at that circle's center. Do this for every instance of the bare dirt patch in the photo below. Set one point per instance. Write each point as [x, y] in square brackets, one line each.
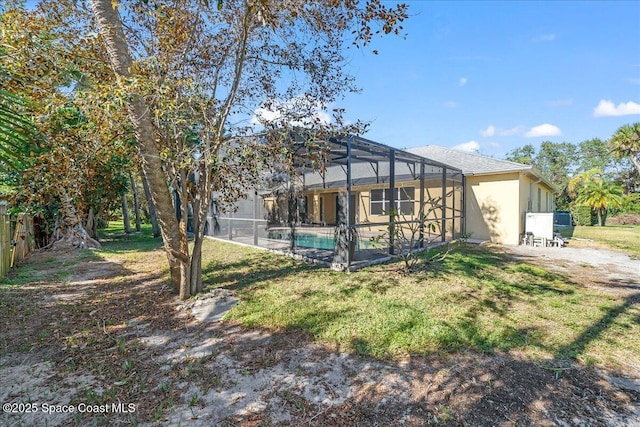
[105, 332]
[606, 270]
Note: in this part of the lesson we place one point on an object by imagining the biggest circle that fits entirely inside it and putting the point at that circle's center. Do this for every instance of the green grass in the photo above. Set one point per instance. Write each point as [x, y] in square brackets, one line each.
[115, 241]
[477, 299]
[622, 237]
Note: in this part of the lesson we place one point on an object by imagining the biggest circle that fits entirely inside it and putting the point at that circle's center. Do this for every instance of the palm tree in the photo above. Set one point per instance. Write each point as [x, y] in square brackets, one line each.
[600, 195]
[626, 142]
[16, 131]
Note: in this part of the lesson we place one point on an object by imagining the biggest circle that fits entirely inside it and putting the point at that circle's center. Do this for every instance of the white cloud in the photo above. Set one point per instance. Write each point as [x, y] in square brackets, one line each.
[472, 146]
[463, 81]
[298, 111]
[494, 144]
[607, 108]
[543, 130]
[490, 131]
[494, 131]
[450, 104]
[545, 38]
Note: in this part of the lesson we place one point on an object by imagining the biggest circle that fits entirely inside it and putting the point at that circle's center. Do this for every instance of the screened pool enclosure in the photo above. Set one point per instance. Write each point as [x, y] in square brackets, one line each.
[366, 204]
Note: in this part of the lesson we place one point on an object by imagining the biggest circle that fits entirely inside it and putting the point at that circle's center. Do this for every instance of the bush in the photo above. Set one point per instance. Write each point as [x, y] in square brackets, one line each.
[583, 215]
[625, 219]
[630, 204]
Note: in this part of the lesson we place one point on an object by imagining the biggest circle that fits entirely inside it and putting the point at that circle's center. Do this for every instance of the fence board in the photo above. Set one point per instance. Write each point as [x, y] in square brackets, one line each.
[23, 238]
[5, 241]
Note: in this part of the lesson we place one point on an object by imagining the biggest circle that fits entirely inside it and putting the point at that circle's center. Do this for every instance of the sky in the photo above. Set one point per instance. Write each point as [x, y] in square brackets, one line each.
[492, 76]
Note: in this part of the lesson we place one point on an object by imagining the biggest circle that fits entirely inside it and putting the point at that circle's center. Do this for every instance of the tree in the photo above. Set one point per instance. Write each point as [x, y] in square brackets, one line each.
[185, 68]
[591, 189]
[557, 160]
[71, 166]
[16, 132]
[595, 154]
[626, 143]
[525, 155]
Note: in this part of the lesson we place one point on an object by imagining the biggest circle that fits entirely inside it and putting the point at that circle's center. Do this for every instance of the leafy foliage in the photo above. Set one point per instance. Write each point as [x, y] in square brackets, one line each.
[626, 143]
[594, 191]
[194, 77]
[55, 147]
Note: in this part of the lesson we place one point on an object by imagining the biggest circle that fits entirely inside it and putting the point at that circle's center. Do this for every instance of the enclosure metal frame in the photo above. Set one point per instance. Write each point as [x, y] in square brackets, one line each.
[348, 150]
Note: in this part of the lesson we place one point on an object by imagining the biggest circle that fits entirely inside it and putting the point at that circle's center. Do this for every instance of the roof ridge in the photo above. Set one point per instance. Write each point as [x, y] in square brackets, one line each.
[455, 150]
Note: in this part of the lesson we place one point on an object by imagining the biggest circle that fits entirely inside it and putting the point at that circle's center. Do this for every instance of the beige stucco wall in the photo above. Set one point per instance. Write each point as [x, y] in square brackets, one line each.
[539, 193]
[433, 191]
[496, 205]
[493, 208]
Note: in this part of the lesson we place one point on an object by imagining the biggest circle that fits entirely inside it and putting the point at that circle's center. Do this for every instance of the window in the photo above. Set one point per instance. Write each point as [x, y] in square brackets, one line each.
[379, 203]
[404, 201]
[539, 200]
[546, 202]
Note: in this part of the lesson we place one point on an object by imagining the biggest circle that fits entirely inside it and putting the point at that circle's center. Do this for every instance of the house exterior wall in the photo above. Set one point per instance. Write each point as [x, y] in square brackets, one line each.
[535, 196]
[376, 223]
[493, 207]
[496, 205]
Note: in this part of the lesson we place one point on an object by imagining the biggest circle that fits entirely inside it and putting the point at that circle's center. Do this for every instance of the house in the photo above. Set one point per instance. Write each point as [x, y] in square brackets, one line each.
[359, 187]
[431, 194]
[498, 193]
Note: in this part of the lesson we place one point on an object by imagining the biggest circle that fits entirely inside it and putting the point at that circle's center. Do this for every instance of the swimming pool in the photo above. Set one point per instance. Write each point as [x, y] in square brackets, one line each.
[315, 241]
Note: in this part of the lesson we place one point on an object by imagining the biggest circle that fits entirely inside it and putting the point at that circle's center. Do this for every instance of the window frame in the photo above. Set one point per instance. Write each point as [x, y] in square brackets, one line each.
[405, 196]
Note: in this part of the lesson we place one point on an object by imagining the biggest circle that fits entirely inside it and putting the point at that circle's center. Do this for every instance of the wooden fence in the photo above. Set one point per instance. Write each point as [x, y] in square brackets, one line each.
[23, 238]
[21, 233]
[5, 241]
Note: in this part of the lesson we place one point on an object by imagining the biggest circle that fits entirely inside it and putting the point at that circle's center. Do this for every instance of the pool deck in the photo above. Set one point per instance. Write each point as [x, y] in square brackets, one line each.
[362, 258]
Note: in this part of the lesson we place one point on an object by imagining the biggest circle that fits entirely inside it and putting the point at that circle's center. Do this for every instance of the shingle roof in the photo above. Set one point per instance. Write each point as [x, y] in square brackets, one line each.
[469, 163]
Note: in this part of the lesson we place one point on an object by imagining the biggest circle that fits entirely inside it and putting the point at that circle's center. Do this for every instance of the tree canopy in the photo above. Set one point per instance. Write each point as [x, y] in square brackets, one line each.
[625, 143]
[179, 87]
[59, 150]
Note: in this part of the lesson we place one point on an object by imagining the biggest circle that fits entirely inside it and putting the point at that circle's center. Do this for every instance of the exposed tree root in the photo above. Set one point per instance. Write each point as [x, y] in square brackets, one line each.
[69, 233]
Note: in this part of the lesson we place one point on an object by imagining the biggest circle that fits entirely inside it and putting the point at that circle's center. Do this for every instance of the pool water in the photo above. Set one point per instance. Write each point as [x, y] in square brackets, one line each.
[317, 241]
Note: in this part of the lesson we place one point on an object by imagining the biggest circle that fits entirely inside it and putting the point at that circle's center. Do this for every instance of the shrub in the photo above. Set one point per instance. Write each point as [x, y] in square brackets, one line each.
[583, 215]
[625, 219]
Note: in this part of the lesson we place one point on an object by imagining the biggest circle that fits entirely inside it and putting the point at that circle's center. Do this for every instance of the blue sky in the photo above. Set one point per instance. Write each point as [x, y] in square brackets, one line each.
[497, 75]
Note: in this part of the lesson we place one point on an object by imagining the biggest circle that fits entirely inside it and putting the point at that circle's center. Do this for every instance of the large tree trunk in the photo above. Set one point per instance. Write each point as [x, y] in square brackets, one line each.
[112, 32]
[153, 216]
[125, 213]
[69, 232]
[136, 201]
[635, 158]
[185, 267]
[201, 199]
[91, 226]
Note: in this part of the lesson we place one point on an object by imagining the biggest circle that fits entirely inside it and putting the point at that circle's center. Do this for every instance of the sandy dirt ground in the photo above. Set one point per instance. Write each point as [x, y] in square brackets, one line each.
[178, 364]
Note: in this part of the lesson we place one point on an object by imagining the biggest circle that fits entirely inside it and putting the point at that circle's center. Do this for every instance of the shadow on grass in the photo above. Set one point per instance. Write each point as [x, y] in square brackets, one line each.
[578, 346]
[117, 242]
[254, 269]
[100, 328]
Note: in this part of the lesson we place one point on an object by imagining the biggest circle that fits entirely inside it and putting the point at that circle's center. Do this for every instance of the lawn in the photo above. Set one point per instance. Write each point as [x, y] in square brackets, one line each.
[622, 237]
[103, 326]
[479, 299]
